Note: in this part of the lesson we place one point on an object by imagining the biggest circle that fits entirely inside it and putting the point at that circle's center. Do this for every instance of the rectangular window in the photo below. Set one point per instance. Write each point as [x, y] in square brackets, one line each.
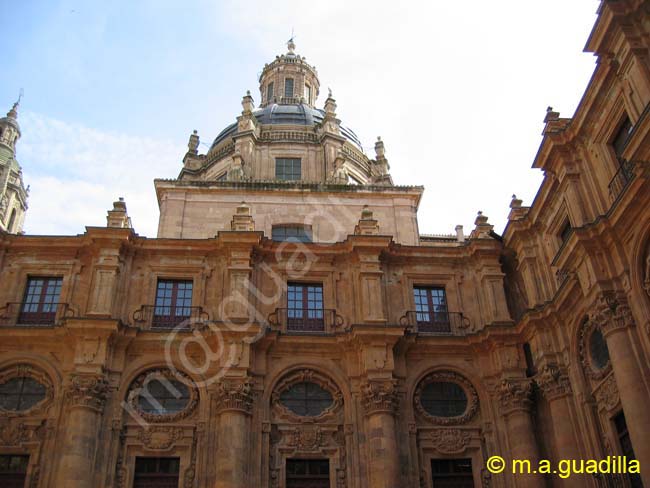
[431, 308]
[312, 473]
[269, 93]
[626, 446]
[288, 169]
[153, 472]
[621, 137]
[307, 93]
[40, 301]
[295, 233]
[288, 87]
[173, 303]
[305, 307]
[13, 470]
[456, 473]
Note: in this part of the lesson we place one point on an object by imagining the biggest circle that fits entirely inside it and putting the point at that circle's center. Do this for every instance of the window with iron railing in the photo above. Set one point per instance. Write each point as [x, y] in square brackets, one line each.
[305, 307]
[173, 303]
[41, 300]
[430, 305]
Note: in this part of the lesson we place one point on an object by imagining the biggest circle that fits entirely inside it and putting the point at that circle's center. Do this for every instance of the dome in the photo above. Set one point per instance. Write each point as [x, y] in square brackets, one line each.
[292, 114]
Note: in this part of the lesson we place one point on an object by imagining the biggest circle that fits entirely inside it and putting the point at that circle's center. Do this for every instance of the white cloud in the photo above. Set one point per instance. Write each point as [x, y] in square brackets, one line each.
[76, 172]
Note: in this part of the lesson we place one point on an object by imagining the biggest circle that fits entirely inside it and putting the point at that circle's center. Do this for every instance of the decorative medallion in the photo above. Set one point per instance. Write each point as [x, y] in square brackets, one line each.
[607, 393]
[450, 441]
[159, 437]
[306, 439]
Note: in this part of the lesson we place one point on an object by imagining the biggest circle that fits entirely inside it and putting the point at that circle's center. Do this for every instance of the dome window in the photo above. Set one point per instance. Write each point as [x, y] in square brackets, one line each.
[288, 169]
[307, 93]
[269, 93]
[288, 87]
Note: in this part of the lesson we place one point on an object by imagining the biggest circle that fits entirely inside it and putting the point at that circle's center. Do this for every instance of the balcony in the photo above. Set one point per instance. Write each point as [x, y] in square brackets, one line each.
[306, 321]
[621, 179]
[158, 317]
[34, 314]
[438, 323]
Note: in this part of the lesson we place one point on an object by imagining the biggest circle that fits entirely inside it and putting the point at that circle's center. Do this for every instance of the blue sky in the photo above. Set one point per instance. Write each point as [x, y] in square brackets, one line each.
[457, 91]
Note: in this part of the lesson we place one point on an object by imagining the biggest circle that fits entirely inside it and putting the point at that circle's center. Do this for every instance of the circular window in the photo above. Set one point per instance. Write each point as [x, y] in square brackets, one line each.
[598, 350]
[306, 399]
[21, 393]
[162, 396]
[444, 399]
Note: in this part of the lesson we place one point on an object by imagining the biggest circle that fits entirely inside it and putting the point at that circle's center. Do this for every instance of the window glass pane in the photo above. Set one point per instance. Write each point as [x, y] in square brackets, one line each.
[306, 399]
[163, 397]
[292, 233]
[269, 92]
[598, 349]
[288, 169]
[443, 399]
[19, 394]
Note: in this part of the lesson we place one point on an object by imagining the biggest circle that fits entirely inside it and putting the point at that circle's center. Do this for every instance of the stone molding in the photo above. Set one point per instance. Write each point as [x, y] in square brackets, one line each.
[515, 394]
[27, 370]
[87, 391]
[235, 395]
[553, 381]
[162, 374]
[380, 396]
[612, 313]
[450, 377]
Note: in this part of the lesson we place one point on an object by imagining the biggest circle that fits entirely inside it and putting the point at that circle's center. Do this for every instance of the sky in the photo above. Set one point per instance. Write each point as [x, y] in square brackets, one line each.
[457, 91]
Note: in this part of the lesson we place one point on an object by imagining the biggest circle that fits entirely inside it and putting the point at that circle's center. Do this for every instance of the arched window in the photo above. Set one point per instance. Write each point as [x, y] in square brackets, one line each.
[288, 87]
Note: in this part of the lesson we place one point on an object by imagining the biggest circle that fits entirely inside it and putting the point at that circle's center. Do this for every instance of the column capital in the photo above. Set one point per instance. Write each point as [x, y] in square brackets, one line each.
[612, 313]
[236, 395]
[380, 396]
[87, 391]
[553, 381]
[515, 394]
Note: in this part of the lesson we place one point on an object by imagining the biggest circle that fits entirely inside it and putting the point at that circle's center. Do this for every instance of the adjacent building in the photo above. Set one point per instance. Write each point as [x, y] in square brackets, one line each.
[290, 327]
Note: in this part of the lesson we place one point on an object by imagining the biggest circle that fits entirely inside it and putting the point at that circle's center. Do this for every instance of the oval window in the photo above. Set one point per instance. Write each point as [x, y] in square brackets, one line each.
[598, 350]
[444, 399]
[20, 394]
[306, 399]
[163, 397]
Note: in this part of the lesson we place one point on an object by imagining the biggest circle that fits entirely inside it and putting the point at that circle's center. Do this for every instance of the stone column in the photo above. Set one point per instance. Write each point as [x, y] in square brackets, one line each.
[234, 404]
[515, 402]
[554, 384]
[615, 320]
[86, 397]
[380, 404]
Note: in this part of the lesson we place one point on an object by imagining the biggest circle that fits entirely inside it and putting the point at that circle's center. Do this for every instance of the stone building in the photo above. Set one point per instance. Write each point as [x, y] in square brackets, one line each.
[290, 327]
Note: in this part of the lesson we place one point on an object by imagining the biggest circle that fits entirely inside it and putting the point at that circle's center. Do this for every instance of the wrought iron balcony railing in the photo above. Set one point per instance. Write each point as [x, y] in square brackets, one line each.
[621, 179]
[168, 317]
[34, 314]
[299, 321]
[443, 323]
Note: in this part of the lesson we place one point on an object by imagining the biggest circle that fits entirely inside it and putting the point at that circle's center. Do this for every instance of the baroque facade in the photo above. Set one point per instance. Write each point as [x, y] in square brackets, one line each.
[290, 327]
